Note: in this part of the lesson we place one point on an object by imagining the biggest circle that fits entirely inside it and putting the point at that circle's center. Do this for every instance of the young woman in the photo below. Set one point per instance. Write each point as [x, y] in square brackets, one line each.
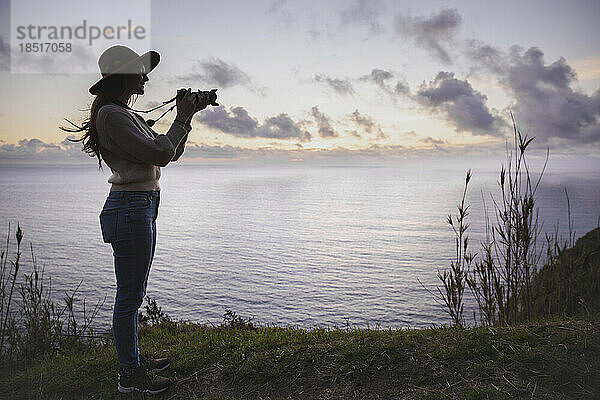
[134, 153]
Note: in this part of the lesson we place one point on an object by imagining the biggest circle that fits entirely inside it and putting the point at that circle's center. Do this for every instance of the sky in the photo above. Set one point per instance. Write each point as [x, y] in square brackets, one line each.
[302, 81]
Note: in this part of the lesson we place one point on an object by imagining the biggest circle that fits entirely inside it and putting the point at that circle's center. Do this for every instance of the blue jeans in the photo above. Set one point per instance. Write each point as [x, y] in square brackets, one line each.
[128, 223]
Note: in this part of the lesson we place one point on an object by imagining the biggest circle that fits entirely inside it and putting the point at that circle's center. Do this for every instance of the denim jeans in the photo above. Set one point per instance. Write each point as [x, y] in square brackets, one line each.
[128, 223]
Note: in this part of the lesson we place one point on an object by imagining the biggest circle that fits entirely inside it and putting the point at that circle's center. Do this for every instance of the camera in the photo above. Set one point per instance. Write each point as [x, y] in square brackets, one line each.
[212, 95]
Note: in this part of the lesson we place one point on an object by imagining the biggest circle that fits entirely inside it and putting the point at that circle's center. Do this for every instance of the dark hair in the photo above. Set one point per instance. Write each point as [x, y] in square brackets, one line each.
[113, 88]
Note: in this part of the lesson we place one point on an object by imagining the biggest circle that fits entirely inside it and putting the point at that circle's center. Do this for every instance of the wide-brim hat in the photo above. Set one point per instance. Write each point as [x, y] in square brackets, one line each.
[120, 59]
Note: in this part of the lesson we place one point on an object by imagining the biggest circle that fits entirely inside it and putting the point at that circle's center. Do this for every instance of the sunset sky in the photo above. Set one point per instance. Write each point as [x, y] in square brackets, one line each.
[303, 80]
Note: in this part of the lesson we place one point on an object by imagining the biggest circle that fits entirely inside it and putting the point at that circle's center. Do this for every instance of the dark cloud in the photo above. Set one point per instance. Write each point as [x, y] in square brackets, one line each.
[323, 124]
[432, 141]
[545, 103]
[216, 72]
[364, 121]
[367, 125]
[402, 88]
[434, 33]
[239, 123]
[365, 13]
[461, 105]
[340, 86]
[484, 56]
[283, 127]
[380, 77]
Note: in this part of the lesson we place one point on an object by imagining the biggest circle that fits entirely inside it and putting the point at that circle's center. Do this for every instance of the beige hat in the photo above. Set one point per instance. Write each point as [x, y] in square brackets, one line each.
[120, 59]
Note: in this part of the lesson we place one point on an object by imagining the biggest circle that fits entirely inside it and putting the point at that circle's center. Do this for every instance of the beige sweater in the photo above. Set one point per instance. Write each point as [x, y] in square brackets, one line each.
[133, 151]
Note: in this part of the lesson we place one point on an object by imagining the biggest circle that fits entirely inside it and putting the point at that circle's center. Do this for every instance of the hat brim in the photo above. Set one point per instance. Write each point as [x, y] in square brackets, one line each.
[149, 59]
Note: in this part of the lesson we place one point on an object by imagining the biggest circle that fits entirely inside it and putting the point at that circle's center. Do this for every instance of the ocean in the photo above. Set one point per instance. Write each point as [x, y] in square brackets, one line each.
[328, 246]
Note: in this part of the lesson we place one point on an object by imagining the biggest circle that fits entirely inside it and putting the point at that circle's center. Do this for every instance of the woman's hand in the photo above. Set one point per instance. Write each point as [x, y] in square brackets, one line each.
[186, 105]
[190, 103]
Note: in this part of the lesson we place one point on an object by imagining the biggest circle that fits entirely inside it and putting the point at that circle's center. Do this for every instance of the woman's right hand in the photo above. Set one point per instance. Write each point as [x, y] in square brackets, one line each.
[186, 106]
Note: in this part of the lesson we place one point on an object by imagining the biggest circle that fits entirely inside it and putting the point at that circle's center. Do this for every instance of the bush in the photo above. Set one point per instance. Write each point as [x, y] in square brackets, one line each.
[36, 326]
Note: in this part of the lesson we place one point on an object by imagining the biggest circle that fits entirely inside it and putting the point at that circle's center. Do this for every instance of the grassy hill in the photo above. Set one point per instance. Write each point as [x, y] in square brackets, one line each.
[556, 358]
[569, 285]
[551, 360]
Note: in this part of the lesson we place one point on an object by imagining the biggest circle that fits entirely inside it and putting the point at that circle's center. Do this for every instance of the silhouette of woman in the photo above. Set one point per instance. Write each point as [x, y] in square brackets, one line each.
[134, 152]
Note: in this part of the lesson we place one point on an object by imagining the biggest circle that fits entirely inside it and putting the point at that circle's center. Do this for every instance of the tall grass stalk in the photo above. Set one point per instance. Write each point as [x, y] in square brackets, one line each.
[8, 277]
[482, 278]
[515, 233]
[454, 280]
[502, 279]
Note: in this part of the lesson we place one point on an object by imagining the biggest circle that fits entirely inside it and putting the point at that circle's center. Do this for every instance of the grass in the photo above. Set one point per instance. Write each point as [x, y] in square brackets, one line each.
[569, 284]
[553, 360]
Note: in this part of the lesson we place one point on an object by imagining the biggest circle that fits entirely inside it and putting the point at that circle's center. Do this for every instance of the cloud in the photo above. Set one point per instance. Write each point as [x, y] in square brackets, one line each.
[363, 12]
[374, 152]
[380, 77]
[367, 124]
[461, 105]
[354, 133]
[340, 86]
[323, 124]
[283, 127]
[239, 123]
[364, 121]
[545, 103]
[402, 88]
[484, 56]
[216, 72]
[282, 16]
[208, 151]
[4, 55]
[433, 33]
[36, 150]
[432, 141]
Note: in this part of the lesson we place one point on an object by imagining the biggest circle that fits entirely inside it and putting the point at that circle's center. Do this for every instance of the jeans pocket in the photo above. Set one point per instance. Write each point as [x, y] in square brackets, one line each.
[138, 201]
[108, 225]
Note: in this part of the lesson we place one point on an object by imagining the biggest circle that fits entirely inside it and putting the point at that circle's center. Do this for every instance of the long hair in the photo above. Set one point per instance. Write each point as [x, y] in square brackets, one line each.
[113, 88]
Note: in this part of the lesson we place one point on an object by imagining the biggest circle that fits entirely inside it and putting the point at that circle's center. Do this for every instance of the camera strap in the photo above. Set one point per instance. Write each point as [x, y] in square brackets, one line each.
[150, 122]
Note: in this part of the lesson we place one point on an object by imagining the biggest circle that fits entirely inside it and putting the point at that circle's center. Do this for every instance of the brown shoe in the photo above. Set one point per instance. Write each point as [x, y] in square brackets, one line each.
[143, 381]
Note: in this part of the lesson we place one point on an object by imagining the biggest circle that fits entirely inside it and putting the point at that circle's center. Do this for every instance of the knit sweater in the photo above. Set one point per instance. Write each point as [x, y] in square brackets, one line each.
[133, 151]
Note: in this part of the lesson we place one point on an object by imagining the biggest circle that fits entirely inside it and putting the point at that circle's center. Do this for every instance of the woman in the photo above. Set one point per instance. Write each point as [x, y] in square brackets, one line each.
[134, 153]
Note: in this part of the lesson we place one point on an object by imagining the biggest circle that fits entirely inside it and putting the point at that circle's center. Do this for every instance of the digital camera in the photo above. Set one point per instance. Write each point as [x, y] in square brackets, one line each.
[212, 95]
